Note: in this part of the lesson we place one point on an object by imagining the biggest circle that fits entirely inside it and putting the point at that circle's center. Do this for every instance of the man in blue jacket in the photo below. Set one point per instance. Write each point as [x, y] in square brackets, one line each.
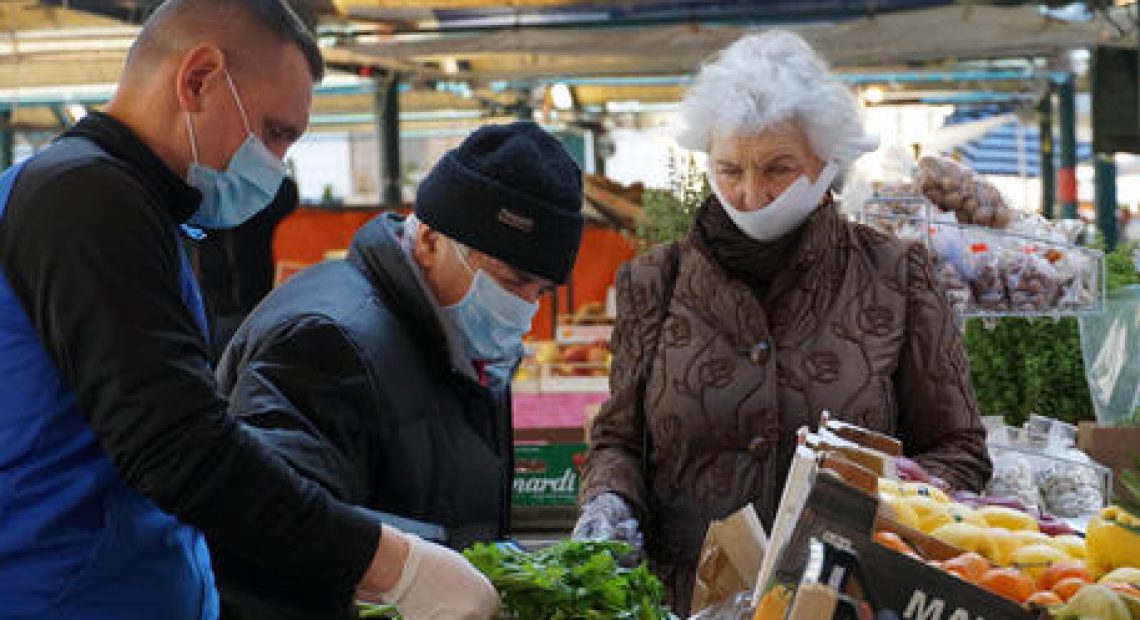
[116, 450]
[385, 377]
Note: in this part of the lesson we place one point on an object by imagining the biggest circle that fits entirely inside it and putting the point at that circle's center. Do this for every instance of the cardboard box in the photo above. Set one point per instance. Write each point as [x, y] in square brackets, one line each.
[845, 516]
[547, 473]
[1110, 446]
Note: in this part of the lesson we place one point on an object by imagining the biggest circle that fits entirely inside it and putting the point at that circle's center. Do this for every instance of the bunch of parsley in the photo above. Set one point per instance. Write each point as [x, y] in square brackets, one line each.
[572, 579]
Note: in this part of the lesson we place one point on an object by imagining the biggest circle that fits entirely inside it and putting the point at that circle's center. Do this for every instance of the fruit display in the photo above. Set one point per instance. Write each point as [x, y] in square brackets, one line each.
[556, 366]
[1005, 549]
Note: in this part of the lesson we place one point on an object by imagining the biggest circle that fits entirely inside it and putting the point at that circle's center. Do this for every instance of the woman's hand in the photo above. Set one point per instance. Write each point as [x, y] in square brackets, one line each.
[609, 517]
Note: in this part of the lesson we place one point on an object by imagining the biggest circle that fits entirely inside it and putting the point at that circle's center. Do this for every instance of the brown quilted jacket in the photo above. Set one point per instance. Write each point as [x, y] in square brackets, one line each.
[854, 325]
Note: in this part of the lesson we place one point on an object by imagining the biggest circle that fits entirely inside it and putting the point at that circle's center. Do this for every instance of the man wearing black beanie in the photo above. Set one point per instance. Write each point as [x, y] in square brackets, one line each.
[385, 377]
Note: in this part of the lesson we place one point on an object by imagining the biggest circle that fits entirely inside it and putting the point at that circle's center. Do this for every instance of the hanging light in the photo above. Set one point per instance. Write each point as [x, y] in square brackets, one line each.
[561, 96]
[76, 111]
[873, 95]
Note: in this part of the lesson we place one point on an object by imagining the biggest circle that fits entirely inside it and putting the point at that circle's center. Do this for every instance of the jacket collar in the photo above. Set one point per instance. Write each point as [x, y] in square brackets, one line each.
[177, 197]
[378, 252]
[820, 234]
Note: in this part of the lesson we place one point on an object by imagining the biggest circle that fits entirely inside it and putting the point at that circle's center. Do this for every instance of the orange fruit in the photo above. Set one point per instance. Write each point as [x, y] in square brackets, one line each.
[892, 540]
[1068, 586]
[1060, 571]
[1008, 582]
[1043, 598]
[971, 565]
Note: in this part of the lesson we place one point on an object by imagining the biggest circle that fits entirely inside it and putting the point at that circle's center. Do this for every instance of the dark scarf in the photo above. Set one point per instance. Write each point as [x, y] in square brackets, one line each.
[756, 263]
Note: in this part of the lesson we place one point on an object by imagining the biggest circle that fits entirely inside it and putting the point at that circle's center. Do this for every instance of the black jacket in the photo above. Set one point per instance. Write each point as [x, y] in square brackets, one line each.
[348, 373]
[89, 245]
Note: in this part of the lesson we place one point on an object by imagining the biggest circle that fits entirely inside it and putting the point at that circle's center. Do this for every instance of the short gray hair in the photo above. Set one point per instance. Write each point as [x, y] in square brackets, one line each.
[770, 78]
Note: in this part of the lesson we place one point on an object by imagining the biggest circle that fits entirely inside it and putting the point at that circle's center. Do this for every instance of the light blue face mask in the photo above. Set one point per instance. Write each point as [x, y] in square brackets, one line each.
[491, 319]
[247, 186]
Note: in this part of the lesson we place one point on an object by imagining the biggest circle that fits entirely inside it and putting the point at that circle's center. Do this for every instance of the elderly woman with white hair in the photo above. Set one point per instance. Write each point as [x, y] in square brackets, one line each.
[772, 309]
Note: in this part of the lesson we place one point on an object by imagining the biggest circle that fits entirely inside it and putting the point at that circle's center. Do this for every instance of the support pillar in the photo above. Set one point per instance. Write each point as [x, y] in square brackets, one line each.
[1067, 175]
[1048, 173]
[387, 105]
[1106, 198]
[7, 139]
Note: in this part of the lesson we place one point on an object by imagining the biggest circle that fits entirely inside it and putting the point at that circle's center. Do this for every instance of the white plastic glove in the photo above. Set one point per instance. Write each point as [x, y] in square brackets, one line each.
[440, 584]
[609, 517]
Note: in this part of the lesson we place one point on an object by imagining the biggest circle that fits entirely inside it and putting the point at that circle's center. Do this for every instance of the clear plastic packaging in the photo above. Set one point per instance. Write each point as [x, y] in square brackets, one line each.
[986, 279]
[1032, 282]
[1109, 343]
[957, 189]
[1014, 477]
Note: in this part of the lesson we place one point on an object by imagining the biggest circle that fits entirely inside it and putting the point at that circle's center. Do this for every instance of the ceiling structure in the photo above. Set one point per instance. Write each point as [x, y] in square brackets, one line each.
[468, 56]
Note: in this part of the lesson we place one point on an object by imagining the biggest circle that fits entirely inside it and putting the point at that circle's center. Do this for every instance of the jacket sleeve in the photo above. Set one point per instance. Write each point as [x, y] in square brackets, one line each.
[939, 422]
[614, 461]
[96, 268]
[305, 391]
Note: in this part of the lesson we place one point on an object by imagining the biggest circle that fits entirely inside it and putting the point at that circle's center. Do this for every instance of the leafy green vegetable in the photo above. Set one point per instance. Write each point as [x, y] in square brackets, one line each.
[1120, 267]
[572, 580]
[1023, 366]
[375, 610]
[669, 213]
[578, 580]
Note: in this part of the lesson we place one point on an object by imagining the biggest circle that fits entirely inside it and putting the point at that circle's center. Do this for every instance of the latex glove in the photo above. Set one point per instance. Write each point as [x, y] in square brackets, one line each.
[609, 517]
[438, 583]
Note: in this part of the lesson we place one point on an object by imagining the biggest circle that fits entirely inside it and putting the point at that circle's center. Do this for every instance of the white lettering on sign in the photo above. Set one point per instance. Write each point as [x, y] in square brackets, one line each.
[921, 607]
[558, 484]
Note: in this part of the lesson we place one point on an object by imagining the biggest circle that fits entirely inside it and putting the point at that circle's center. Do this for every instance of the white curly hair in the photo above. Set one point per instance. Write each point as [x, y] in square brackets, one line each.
[767, 78]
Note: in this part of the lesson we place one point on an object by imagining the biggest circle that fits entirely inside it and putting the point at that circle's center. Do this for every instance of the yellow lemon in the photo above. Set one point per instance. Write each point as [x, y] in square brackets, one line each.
[1035, 559]
[901, 511]
[1026, 538]
[1003, 544]
[931, 512]
[922, 489]
[965, 536]
[962, 513]
[1071, 544]
[1008, 518]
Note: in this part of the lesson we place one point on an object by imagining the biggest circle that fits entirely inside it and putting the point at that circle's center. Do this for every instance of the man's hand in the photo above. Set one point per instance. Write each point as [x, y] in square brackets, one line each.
[425, 581]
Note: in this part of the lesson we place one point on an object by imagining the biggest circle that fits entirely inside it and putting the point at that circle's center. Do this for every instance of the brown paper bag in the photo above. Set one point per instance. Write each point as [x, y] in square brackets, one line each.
[730, 558]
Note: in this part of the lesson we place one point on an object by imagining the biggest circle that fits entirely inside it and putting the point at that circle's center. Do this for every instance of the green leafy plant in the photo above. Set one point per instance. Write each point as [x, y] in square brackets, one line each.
[1120, 267]
[1023, 366]
[669, 212]
[571, 580]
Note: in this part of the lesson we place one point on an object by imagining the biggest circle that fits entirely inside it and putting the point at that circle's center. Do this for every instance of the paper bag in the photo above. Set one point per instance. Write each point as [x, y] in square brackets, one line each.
[730, 558]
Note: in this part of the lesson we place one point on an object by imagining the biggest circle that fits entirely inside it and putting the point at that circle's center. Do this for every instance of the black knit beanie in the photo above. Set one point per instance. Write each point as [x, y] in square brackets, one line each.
[511, 192]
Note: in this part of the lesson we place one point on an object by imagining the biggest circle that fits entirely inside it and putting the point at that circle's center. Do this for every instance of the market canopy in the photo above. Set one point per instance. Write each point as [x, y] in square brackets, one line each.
[72, 51]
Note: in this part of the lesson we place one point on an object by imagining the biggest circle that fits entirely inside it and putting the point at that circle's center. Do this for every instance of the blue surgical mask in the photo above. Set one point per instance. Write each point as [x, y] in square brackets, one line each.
[247, 186]
[490, 319]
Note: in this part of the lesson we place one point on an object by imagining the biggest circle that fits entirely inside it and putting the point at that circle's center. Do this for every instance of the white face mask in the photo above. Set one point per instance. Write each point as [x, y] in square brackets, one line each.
[786, 212]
